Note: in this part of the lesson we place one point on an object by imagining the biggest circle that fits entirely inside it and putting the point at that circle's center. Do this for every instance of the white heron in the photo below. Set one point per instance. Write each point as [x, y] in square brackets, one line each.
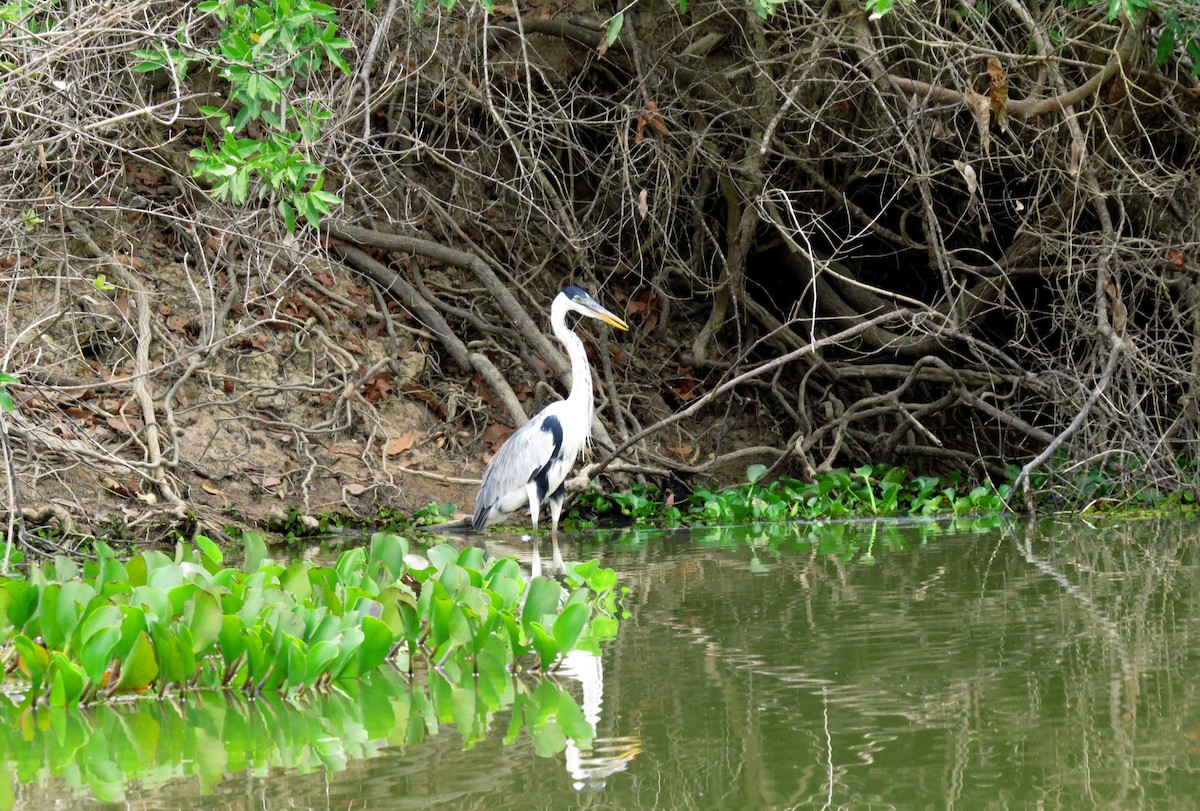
[532, 465]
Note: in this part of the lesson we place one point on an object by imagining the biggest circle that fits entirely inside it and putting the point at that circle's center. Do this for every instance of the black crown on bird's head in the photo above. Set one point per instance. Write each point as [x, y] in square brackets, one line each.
[574, 292]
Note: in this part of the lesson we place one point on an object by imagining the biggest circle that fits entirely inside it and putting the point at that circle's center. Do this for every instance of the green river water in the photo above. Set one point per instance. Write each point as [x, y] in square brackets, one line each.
[860, 665]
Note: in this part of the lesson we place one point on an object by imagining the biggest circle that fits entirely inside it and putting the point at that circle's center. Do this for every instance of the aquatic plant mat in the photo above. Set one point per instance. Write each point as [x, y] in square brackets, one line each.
[75, 633]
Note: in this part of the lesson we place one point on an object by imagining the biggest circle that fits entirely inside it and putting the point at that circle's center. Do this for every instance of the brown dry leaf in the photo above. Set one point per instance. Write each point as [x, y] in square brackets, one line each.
[164, 309]
[682, 450]
[397, 445]
[641, 130]
[259, 341]
[998, 92]
[134, 262]
[1119, 314]
[271, 482]
[982, 107]
[686, 389]
[496, 435]
[1117, 89]
[178, 323]
[212, 491]
[522, 392]
[342, 450]
[656, 120]
[379, 387]
[355, 489]
[123, 425]
[1175, 259]
[122, 304]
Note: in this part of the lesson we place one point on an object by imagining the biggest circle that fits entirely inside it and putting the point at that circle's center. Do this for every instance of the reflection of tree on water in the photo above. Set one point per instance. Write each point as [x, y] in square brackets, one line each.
[963, 667]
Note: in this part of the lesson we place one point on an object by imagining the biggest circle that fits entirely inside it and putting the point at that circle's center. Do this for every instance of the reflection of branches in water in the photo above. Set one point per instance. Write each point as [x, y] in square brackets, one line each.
[1107, 626]
[1123, 714]
[969, 638]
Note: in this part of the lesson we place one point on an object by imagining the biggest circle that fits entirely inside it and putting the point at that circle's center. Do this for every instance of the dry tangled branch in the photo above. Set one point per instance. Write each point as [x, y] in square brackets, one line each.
[1007, 231]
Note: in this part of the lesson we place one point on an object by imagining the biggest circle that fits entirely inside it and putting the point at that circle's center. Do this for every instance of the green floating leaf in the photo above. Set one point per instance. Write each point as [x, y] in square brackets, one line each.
[320, 656]
[206, 622]
[541, 601]
[377, 644]
[569, 626]
[69, 681]
[209, 548]
[255, 551]
[33, 661]
[389, 550]
[140, 667]
[545, 645]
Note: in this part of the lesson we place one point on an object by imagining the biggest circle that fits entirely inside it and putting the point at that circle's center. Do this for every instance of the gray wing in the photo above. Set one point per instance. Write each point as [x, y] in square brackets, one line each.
[527, 456]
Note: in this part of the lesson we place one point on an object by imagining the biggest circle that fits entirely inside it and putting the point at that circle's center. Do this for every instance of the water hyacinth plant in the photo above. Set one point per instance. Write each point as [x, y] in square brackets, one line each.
[80, 633]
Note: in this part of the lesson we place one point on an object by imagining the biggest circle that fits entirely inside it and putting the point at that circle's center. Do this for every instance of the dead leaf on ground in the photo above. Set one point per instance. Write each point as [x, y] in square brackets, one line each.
[397, 445]
[656, 120]
[355, 489]
[212, 491]
[123, 425]
[271, 482]
[137, 263]
[496, 435]
[123, 307]
[378, 388]
[342, 450]
[682, 450]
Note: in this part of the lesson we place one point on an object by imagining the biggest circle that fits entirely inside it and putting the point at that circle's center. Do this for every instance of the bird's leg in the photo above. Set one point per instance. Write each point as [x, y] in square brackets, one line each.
[556, 503]
[534, 507]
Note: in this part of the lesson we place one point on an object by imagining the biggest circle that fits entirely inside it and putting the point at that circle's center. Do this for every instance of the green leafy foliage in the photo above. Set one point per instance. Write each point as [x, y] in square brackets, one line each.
[6, 400]
[434, 513]
[264, 49]
[162, 624]
[866, 491]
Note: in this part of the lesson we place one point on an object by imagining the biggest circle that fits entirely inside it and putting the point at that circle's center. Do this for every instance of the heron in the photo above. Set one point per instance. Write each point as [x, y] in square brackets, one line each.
[533, 464]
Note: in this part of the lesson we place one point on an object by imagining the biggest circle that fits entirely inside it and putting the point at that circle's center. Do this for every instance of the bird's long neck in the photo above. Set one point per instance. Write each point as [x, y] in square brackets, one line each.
[581, 373]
